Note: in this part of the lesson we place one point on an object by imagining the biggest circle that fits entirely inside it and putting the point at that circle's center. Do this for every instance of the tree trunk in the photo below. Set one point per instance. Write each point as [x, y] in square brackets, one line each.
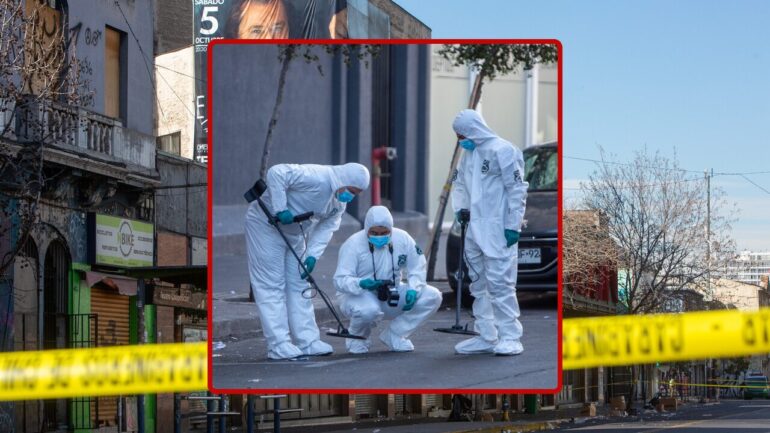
[287, 57]
[435, 234]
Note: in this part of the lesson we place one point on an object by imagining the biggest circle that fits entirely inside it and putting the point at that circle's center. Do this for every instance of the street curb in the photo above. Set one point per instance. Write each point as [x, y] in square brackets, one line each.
[519, 428]
[251, 326]
[240, 327]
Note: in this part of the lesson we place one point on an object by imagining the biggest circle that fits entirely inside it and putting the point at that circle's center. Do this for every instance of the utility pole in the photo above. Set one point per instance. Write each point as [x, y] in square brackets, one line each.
[708, 227]
[709, 370]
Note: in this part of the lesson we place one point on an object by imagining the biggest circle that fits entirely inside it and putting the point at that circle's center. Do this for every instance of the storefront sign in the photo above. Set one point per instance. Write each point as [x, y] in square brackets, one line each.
[121, 242]
[184, 298]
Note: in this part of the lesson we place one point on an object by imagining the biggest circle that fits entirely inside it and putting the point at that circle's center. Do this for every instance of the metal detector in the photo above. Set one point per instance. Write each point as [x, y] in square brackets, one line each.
[255, 193]
[465, 217]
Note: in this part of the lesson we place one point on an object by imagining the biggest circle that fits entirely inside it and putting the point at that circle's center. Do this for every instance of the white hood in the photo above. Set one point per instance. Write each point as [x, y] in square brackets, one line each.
[378, 216]
[350, 174]
[470, 124]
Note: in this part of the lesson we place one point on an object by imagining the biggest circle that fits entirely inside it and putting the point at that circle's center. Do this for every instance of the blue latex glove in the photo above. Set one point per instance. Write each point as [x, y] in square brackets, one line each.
[370, 284]
[511, 237]
[285, 217]
[309, 265]
[411, 299]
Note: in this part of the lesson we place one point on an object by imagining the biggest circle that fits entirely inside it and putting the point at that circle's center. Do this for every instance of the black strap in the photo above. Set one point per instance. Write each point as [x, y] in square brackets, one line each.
[392, 263]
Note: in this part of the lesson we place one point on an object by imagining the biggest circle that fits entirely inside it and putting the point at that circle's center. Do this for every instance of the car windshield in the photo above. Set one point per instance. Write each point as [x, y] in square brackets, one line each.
[541, 165]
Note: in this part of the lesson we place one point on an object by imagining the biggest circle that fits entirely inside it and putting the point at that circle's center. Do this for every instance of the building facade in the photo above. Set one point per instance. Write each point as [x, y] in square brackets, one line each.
[749, 267]
[96, 206]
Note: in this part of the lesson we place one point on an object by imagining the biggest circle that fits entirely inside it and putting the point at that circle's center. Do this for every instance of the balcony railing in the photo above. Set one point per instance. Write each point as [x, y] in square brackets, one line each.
[78, 128]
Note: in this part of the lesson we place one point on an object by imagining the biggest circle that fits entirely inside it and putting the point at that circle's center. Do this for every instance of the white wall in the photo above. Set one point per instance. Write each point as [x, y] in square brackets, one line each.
[175, 87]
[503, 104]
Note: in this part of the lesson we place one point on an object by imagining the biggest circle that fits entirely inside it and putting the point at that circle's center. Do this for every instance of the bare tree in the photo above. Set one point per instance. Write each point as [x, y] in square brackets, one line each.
[37, 69]
[309, 53]
[589, 253]
[657, 215]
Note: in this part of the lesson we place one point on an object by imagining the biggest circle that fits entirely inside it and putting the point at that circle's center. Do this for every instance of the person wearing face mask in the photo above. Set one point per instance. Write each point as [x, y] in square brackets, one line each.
[367, 259]
[489, 182]
[288, 318]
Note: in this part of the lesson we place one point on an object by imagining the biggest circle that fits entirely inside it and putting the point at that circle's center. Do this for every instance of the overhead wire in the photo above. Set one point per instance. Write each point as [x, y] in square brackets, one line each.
[714, 174]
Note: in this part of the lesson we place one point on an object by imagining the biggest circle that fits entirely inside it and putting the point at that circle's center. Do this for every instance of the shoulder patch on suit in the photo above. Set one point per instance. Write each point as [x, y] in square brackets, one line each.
[517, 176]
[402, 260]
[417, 248]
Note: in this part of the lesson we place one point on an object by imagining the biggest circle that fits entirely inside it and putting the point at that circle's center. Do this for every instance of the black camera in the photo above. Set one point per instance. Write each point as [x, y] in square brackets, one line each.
[388, 292]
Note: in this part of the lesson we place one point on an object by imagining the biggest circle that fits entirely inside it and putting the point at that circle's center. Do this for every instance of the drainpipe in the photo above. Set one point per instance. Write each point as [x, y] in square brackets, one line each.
[530, 124]
[379, 154]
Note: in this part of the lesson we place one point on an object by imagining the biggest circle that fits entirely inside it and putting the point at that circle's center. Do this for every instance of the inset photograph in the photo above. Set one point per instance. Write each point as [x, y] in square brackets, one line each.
[385, 216]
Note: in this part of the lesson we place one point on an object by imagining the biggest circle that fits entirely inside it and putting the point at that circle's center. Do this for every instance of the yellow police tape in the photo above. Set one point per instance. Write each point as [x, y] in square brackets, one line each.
[587, 343]
[145, 369]
[623, 340]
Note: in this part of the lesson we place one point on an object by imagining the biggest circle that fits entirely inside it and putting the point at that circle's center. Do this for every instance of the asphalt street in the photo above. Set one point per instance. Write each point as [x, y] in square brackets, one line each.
[734, 416]
[243, 363]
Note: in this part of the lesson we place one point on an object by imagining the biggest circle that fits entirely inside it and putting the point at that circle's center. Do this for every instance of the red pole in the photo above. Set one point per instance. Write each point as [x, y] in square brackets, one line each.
[378, 154]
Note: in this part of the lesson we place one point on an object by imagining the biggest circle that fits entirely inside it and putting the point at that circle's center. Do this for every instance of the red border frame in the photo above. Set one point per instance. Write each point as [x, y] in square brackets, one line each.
[210, 112]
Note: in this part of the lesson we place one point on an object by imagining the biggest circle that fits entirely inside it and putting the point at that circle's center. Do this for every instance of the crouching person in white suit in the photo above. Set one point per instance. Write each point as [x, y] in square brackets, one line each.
[368, 259]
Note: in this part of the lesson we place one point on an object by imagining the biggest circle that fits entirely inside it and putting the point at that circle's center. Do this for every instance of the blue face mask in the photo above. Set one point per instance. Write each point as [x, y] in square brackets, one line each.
[379, 241]
[467, 144]
[345, 196]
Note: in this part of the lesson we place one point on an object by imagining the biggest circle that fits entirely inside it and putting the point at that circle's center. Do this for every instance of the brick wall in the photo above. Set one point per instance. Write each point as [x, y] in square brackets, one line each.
[172, 249]
[402, 24]
[173, 25]
[165, 402]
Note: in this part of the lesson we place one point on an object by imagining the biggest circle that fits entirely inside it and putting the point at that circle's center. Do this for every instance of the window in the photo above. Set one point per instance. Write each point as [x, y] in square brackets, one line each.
[170, 143]
[541, 166]
[114, 76]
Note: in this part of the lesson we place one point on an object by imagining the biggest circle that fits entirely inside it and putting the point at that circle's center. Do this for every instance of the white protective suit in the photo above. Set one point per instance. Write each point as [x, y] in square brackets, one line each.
[358, 260]
[490, 183]
[274, 273]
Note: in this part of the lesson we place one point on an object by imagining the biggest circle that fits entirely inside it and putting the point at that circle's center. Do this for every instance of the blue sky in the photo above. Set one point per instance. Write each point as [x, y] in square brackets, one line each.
[691, 75]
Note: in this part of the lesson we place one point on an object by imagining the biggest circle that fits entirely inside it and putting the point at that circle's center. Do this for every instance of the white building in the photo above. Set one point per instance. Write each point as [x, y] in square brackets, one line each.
[749, 267]
[522, 107]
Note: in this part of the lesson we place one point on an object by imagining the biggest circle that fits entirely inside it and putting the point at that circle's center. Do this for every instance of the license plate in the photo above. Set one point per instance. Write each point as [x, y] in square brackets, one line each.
[529, 255]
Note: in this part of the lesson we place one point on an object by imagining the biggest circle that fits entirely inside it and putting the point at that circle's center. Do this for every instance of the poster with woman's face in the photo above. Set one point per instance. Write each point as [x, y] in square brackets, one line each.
[259, 19]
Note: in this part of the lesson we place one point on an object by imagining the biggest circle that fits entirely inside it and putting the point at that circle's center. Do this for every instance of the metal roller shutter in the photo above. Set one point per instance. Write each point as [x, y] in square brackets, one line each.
[434, 400]
[366, 405]
[400, 401]
[111, 309]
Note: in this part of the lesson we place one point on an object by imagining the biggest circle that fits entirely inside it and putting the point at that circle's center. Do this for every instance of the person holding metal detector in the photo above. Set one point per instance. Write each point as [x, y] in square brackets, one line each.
[369, 286]
[283, 250]
[490, 195]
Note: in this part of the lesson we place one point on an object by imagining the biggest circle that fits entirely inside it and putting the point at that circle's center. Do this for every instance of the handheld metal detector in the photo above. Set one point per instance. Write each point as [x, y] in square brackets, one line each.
[457, 328]
[255, 193]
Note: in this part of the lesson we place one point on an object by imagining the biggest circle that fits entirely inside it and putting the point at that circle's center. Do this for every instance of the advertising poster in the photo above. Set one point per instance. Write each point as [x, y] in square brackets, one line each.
[273, 19]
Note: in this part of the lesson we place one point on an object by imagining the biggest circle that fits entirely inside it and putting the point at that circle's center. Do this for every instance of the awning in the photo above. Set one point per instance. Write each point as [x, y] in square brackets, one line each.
[124, 285]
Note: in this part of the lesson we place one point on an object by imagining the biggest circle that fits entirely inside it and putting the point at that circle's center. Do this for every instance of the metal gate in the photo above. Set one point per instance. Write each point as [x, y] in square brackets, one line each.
[55, 306]
[83, 329]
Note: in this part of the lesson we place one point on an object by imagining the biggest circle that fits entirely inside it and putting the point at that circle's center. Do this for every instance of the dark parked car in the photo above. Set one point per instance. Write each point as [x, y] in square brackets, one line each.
[538, 244]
